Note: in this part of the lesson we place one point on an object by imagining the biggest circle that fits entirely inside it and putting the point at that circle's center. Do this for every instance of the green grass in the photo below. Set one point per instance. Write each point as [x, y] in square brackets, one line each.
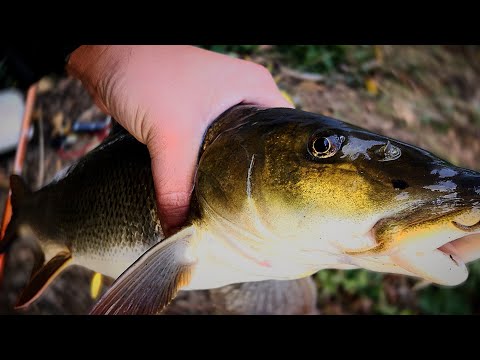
[343, 286]
[338, 286]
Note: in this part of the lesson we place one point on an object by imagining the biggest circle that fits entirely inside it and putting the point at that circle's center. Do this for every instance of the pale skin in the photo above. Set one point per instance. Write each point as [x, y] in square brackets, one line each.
[167, 96]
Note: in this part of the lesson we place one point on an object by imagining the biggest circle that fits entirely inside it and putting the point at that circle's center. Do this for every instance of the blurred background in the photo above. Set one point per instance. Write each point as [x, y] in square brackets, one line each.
[424, 95]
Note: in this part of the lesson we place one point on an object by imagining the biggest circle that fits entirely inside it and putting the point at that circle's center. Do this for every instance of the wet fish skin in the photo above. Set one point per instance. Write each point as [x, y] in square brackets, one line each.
[265, 207]
[101, 211]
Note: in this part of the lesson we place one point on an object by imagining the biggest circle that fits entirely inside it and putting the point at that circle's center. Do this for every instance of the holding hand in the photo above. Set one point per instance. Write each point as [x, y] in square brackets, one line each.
[167, 96]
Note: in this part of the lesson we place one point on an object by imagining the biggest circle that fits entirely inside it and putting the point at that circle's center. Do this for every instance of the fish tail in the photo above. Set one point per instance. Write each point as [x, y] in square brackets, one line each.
[20, 191]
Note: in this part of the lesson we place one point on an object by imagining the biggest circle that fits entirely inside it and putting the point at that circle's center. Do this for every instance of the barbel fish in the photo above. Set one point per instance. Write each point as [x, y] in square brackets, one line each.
[279, 195]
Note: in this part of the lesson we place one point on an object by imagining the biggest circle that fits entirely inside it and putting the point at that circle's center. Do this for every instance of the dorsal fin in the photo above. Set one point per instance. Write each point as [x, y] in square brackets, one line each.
[117, 132]
[116, 129]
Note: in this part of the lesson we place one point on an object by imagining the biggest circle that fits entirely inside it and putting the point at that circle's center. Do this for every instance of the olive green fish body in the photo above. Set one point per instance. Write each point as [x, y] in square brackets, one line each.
[279, 195]
[302, 192]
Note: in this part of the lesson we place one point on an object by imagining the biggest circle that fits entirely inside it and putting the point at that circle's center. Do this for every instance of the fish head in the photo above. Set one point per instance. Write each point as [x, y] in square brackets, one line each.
[326, 186]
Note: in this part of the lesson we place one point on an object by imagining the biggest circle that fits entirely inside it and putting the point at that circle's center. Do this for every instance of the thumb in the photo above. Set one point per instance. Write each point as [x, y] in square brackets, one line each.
[173, 171]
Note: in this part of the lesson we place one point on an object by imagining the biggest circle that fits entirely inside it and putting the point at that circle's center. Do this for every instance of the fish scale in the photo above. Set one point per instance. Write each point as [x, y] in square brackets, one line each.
[113, 216]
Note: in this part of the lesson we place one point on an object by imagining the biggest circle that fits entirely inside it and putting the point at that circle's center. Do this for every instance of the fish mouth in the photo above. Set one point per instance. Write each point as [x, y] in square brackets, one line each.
[468, 228]
[453, 244]
[466, 248]
[436, 250]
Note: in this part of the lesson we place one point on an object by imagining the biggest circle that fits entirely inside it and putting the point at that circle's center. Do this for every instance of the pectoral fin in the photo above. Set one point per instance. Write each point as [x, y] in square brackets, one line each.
[42, 278]
[149, 285]
[271, 297]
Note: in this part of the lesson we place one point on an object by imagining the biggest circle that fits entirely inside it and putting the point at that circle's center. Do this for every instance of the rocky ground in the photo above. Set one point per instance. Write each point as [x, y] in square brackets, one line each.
[427, 96]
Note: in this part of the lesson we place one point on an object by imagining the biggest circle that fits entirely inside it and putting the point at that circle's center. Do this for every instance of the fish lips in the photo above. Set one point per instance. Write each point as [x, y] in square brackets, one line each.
[434, 248]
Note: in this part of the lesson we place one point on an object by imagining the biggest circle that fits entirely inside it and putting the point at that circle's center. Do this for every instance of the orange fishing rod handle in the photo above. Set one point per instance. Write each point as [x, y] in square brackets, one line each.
[18, 164]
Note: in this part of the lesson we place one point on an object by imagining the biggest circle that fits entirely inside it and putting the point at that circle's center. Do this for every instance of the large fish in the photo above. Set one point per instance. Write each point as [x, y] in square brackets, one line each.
[279, 195]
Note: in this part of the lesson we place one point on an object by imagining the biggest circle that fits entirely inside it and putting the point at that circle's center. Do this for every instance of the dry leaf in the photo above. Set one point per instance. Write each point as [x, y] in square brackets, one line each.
[287, 97]
[372, 86]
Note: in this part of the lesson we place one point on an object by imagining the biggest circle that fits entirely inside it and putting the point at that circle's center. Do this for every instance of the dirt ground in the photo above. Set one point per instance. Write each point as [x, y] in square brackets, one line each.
[426, 96]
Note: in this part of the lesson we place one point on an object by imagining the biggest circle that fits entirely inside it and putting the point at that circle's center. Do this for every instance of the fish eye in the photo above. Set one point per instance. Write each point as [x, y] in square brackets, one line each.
[325, 146]
[321, 146]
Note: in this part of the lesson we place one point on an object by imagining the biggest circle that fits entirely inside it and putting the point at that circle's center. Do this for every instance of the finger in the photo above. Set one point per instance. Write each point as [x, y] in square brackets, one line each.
[173, 173]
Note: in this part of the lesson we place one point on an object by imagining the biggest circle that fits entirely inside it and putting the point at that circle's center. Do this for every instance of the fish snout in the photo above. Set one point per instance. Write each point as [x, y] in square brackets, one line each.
[464, 199]
[450, 190]
[446, 179]
[468, 187]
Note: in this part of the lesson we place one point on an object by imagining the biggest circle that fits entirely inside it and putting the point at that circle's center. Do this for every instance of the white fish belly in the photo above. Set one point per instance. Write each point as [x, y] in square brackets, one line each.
[109, 266]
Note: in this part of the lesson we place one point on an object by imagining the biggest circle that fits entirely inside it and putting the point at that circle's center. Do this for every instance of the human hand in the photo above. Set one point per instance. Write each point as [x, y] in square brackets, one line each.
[167, 96]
